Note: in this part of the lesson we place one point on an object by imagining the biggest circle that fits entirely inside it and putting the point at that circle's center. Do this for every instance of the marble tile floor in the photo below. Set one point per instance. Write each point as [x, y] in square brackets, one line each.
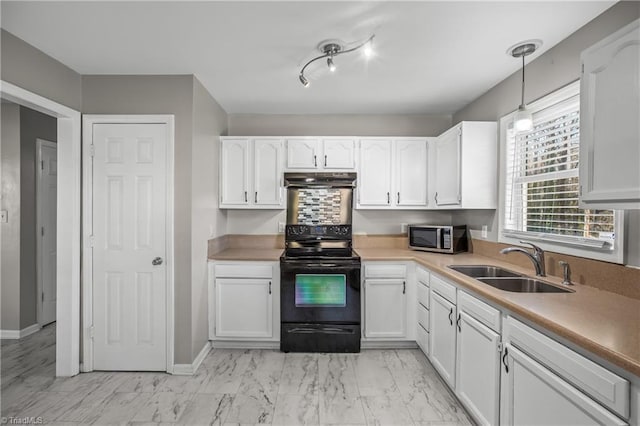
[234, 387]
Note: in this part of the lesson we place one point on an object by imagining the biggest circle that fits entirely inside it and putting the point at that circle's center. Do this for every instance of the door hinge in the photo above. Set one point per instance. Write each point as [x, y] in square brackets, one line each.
[42, 298]
[580, 190]
[41, 164]
[42, 231]
[91, 332]
[92, 150]
[500, 347]
[582, 68]
[92, 240]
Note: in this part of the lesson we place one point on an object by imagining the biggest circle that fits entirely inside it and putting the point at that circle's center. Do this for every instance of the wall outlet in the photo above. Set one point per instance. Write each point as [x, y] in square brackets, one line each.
[4, 216]
[403, 228]
[484, 231]
[281, 227]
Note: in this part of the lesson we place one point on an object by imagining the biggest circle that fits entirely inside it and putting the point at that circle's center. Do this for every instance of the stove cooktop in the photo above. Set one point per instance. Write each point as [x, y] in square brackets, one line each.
[319, 253]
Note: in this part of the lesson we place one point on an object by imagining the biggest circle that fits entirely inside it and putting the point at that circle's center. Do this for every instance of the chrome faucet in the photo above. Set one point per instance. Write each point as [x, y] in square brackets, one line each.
[537, 256]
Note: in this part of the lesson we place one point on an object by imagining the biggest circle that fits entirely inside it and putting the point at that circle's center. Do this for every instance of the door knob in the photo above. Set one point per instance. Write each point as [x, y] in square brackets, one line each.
[157, 261]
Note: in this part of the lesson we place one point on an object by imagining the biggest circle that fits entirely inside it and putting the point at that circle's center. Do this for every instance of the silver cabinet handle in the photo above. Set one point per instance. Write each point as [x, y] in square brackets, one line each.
[436, 197]
[404, 287]
[269, 287]
[458, 324]
[325, 161]
[388, 198]
[157, 261]
[315, 161]
[504, 360]
[398, 197]
[245, 197]
[256, 197]
[451, 313]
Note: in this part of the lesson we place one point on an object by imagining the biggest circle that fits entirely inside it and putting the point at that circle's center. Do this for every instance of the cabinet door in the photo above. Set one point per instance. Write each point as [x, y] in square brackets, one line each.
[411, 173]
[478, 369]
[374, 179]
[267, 177]
[442, 337]
[339, 154]
[447, 165]
[385, 313]
[609, 131]
[234, 172]
[243, 308]
[302, 153]
[533, 395]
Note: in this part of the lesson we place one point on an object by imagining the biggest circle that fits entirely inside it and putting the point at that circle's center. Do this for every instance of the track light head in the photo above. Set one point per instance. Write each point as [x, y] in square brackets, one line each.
[330, 64]
[304, 80]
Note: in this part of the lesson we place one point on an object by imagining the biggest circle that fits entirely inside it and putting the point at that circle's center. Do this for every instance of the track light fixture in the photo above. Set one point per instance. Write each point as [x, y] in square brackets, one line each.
[332, 48]
[523, 119]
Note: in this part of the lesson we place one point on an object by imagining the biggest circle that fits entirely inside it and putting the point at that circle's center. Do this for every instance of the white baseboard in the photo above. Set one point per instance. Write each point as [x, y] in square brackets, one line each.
[190, 369]
[237, 344]
[389, 344]
[19, 334]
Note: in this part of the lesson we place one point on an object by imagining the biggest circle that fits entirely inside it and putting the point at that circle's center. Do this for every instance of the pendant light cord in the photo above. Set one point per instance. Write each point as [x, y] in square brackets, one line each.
[522, 103]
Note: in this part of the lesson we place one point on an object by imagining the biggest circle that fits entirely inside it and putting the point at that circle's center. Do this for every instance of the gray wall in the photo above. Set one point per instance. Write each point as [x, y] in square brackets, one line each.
[556, 68]
[338, 125]
[119, 94]
[10, 231]
[207, 221]
[31, 69]
[33, 125]
[364, 222]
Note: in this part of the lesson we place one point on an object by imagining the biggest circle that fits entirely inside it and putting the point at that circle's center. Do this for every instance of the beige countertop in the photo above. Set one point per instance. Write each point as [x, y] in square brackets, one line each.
[604, 323]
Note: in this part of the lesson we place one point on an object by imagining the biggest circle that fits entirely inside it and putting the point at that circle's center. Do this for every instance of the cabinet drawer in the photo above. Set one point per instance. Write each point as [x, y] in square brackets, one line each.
[241, 270]
[423, 294]
[601, 384]
[422, 339]
[479, 310]
[384, 271]
[423, 317]
[422, 275]
[443, 288]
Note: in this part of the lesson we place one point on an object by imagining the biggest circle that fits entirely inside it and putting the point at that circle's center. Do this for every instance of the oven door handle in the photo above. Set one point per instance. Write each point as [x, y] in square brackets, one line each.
[326, 330]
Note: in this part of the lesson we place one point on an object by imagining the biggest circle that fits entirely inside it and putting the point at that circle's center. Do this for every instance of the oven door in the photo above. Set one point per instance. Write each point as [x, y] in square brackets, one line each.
[319, 292]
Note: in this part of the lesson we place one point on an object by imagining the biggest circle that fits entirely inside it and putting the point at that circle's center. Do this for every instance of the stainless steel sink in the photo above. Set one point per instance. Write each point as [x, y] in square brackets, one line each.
[523, 285]
[477, 271]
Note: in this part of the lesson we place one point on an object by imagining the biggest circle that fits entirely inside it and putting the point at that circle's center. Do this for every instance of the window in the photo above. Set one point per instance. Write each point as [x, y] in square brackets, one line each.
[541, 184]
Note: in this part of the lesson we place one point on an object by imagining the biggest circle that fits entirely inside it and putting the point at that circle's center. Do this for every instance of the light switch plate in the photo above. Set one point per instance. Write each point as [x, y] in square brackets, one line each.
[4, 216]
[484, 231]
[281, 227]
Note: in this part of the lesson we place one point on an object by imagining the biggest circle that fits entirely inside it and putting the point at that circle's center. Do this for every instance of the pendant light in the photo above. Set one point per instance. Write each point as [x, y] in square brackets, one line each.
[523, 119]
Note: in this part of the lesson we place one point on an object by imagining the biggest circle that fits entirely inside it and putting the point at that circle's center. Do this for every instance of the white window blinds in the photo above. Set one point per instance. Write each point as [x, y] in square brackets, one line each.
[541, 200]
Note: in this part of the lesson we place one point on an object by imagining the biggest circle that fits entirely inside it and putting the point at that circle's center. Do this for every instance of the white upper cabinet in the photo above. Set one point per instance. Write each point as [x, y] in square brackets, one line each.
[234, 172]
[374, 178]
[268, 175]
[465, 166]
[411, 173]
[251, 173]
[392, 173]
[317, 154]
[339, 154]
[302, 153]
[609, 130]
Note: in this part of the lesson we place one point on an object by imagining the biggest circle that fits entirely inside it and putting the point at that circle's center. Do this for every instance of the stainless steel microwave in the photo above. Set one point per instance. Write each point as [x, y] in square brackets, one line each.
[438, 238]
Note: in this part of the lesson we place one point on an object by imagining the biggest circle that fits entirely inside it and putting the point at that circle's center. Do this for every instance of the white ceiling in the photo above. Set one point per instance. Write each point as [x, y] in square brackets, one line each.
[431, 57]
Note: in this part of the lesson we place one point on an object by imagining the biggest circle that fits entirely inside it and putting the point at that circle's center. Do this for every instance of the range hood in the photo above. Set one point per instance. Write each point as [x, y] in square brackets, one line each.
[320, 180]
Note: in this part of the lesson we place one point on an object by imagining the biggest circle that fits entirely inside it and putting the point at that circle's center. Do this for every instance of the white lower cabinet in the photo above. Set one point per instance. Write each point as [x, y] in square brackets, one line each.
[242, 295]
[384, 305]
[442, 336]
[478, 369]
[533, 395]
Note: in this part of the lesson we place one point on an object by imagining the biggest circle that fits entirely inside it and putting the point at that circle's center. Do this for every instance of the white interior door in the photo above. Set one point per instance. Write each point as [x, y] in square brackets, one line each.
[129, 231]
[47, 194]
